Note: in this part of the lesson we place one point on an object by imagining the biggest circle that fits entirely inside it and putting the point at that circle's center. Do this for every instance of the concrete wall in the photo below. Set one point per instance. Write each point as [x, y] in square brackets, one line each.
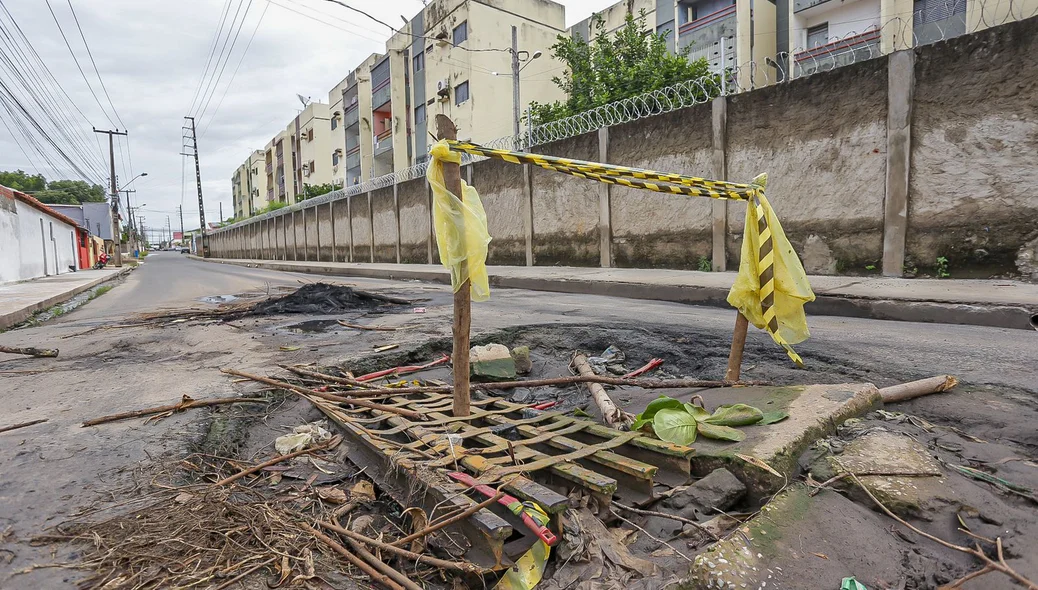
[885, 164]
[33, 243]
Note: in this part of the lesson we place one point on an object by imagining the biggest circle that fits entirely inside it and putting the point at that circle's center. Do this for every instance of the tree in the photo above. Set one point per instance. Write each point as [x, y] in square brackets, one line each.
[315, 190]
[20, 181]
[615, 66]
[81, 191]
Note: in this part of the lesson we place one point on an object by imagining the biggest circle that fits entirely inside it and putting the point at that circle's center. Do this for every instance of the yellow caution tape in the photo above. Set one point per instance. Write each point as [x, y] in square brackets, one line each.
[460, 227]
[771, 287]
[528, 569]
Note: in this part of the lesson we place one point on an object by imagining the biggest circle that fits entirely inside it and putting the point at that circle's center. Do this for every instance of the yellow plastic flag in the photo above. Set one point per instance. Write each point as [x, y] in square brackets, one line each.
[528, 569]
[771, 288]
[460, 227]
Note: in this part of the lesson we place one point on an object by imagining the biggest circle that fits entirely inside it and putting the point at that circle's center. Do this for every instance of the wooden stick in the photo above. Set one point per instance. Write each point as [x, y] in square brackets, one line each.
[325, 377]
[738, 344]
[183, 405]
[445, 129]
[325, 445]
[612, 415]
[410, 414]
[30, 351]
[449, 521]
[376, 576]
[382, 567]
[569, 380]
[914, 389]
[242, 575]
[22, 425]
[458, 566]
[674, 517]
[360, 327]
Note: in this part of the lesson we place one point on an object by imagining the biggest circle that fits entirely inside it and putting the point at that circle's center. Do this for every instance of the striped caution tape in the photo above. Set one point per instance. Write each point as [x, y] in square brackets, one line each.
[766, 274]
[630, 177]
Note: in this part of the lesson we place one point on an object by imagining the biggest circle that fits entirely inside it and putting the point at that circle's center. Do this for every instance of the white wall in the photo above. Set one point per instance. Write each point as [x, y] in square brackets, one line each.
[28, 248]
[845, 18]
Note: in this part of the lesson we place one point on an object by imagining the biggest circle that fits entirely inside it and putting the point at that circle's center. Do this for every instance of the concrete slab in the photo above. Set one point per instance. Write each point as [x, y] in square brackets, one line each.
[814, 413]
[812, 542]
[897, 469]
[18, 301]
[996, 303]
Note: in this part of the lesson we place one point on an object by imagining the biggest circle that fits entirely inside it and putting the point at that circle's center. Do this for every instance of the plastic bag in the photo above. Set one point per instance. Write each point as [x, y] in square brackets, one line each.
[784, 317]
[460, 227]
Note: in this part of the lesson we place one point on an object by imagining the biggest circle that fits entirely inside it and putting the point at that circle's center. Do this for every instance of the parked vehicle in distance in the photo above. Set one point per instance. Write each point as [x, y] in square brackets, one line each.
[185, 250]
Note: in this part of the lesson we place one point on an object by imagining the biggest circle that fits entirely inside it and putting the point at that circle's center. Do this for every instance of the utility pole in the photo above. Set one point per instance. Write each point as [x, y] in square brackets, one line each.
[117, 234]
[198, 181]
[515, 84]
[180, 209]
[169, 232]
[221, 211]
[132, 232]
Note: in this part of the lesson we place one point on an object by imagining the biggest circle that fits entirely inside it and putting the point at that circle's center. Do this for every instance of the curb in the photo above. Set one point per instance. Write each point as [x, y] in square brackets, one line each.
[16, 317]
[933, 312]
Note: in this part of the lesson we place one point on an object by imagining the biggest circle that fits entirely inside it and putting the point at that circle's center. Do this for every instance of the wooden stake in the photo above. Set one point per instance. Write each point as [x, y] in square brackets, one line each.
[612, 415]
[31, 351]
[914, 389]
[445, 129]
[738, 344]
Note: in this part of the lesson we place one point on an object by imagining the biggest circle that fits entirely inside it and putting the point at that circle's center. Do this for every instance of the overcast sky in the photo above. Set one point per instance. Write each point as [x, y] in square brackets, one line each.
[151, 54]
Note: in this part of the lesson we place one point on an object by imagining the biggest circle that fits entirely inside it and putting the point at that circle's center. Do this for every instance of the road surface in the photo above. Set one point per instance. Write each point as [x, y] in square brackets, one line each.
[54, 470]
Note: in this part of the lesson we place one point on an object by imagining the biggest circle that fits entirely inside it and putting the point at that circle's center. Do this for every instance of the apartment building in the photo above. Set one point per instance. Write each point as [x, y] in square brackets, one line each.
[249, 186]
[721, 31]
[312, 154]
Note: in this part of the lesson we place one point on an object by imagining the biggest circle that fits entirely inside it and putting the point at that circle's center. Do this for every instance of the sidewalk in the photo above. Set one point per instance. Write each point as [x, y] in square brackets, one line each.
[18, 301]
[997, 303]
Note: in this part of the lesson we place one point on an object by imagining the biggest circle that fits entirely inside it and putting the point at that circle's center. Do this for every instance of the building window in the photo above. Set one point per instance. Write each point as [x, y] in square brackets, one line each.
[419, 61]
[818, 35]
[310, 134]
[335, 122]
[461, 32]
[419, 114]
[310, 167]
[461, 93]
[335, 158]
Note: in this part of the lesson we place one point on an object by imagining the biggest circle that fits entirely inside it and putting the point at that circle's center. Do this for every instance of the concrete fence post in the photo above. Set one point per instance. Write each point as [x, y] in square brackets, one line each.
[719, 207]
[900, 90]
[306, 236]
[349, 221]
[331, 222]
[430, 237]
[295, 237]
[605, 206]
[371, 229]
[396, 211]
[528, 212]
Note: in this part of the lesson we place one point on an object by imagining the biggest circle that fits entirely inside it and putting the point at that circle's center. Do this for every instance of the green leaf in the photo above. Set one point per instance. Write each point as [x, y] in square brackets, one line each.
[661, 403]
[580, 413]
[720, 432]
[675, 426]
[643, 425]
[735, 415]
[697, 412]
[773, 417]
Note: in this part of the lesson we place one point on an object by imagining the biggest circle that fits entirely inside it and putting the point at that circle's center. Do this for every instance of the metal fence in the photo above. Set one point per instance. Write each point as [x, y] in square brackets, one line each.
[933, 21]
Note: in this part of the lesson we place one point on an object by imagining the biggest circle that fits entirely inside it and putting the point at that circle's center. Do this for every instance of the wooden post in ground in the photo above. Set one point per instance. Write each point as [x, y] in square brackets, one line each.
[445, 129]
[738, 343]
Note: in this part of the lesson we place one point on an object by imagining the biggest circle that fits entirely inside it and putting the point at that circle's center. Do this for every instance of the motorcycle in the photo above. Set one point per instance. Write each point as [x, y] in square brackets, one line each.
[102, 260]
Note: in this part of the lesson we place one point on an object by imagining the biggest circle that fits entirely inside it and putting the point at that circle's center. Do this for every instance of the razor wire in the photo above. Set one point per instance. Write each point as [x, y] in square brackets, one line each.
[853, 47]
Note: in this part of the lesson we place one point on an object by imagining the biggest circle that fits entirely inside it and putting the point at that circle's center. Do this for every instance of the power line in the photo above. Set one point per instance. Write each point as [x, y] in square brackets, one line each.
[230, 51]
[236, 68]
[92, 62]
[9, 100]
[212, 52]
[78, 66]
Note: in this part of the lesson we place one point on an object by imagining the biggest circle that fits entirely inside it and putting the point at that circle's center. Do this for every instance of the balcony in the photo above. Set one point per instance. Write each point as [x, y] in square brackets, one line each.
[937, 21]
[706, 31]
[384, 142]
[838, 53]
[351, 116]
[380, 94]
[353, 160]
[270, 167]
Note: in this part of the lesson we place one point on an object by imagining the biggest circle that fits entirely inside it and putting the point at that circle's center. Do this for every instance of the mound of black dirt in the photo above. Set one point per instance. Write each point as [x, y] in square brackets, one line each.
[322, 298]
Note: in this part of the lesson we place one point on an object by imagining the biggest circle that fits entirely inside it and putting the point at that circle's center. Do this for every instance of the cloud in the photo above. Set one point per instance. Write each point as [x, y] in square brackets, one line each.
[151, 56]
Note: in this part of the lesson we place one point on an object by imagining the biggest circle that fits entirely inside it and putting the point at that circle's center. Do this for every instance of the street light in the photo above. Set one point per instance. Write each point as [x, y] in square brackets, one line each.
[517, 58]
[131, 182]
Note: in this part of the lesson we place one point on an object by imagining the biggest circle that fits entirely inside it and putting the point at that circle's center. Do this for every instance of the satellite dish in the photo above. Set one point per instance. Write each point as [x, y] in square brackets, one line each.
[303, 99]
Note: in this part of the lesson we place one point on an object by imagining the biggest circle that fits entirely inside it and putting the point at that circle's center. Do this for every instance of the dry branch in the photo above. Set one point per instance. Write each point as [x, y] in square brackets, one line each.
[185, 404]
[320, 447]
[449, 520]
[674, 517]
[376, 576]
[458, 566]
[30, 351]
[22, 425]
[913, 389]
[612, 415]
[360, 327]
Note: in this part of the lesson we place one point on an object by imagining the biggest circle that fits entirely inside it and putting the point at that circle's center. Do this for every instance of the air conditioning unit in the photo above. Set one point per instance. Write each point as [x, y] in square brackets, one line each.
[443, 87]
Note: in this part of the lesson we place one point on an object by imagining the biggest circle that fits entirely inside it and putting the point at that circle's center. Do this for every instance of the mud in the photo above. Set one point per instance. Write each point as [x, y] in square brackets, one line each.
[322, 298]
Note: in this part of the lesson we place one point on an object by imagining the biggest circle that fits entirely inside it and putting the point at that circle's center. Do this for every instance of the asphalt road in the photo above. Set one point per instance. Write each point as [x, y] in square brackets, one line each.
[51, 471]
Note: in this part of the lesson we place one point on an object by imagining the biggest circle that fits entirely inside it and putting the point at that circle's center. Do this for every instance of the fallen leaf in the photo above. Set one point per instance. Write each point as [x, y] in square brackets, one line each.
[332, 495]
[363, 491]
[288, 348]
[183, 498]
[663, 552]
[822, 555]
[758, 463]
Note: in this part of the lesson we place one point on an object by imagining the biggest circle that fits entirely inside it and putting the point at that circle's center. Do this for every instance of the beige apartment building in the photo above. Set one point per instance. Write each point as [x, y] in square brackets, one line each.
[249, 186]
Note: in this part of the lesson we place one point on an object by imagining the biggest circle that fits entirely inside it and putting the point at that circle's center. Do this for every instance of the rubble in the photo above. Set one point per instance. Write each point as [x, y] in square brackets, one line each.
[492, 361]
